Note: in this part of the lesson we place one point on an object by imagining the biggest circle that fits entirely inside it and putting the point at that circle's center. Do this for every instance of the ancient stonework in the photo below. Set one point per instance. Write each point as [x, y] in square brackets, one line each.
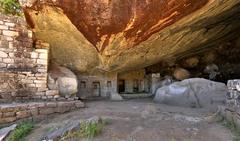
[23, 69]
[35, 110]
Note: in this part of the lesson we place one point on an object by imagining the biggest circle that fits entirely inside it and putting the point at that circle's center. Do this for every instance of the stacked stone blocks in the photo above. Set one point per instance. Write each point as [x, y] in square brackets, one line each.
[35, 110]
[23, 67]
[233, 95]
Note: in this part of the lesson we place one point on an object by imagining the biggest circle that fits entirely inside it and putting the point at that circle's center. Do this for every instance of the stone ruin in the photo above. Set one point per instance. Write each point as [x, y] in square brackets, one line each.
[23, 75]
[233, 95]
[108, 58]
[23, 63]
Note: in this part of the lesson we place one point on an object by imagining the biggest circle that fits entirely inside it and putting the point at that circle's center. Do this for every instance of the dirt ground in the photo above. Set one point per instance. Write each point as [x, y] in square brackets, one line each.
[142, 120]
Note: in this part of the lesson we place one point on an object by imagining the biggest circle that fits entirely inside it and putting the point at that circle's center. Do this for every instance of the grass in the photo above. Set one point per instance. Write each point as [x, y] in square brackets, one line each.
[87, 130]
[22, 130]
[230, 124]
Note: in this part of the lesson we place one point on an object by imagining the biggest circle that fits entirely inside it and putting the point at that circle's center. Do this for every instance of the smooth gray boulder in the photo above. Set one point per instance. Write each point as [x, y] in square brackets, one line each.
[4, 132]
[195, 92]
[62, 79]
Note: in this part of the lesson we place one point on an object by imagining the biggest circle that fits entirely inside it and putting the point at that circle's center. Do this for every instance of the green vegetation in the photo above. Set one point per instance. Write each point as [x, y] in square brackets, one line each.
[10, 7]
[21, 131]
[87, 130]
[231, 126]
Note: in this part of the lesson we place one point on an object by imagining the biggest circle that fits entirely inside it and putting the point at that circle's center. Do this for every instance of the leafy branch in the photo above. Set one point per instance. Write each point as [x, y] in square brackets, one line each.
[10, 7]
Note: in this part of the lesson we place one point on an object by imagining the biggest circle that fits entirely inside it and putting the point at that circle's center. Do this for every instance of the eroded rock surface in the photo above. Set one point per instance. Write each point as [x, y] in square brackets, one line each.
[90, 35]
[195, 92]
[62, 79]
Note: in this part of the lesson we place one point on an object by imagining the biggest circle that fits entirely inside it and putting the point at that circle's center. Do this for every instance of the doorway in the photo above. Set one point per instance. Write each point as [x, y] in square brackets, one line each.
[96, 89]
[121, 86]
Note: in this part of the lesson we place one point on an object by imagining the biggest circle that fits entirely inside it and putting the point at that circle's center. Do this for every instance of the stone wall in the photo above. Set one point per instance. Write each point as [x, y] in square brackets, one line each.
[23, 69]
[101, 85]
[135, 81]
[35, 110]
[231, 111]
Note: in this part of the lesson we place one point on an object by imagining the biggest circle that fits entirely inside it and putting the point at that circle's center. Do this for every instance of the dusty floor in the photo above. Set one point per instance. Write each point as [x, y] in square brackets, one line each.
[142, 120]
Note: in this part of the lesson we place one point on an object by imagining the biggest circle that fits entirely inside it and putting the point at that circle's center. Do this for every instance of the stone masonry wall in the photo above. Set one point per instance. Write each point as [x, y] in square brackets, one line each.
[23, 69]
[35, 110]
[231, 111]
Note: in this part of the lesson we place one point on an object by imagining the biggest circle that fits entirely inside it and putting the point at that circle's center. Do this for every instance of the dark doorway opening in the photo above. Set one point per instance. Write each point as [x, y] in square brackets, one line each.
[121, 86]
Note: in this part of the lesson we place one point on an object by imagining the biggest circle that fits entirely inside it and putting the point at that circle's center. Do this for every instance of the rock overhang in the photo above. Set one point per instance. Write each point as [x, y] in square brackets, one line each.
[90, 36]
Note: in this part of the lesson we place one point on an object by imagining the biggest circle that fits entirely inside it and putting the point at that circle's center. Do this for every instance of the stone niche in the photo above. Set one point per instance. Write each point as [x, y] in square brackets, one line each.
[23, 68]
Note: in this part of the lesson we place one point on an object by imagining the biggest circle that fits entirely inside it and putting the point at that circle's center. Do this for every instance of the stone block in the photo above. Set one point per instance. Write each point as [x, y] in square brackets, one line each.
[9, 39]
[42, 62]
[43, 56]
[40, 85]
[3, 27]
[51, 104]
[41, 89]
[52, 92]
[10, 24]
[3, 65]
[42, 70]
[65, 104]
[34, 55]
[56, 96]
[8, 61]
[33, 111]
[49, 97]
[7, 109]
[22, 114]
[39, 81]
[10, 45]
[40, 93]
[30, 34]
[45, 44]
[31, 85]
[42, 51]
[9, 114]
[3, 54]
[7, 120]
[63, 109]
[26, 81]
[10, 33]
[79, 104]
[32, 78]
[47, 111]
[11, 55]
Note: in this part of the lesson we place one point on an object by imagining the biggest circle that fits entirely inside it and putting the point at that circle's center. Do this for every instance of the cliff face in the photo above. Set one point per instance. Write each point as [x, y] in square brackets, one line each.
[107, 35]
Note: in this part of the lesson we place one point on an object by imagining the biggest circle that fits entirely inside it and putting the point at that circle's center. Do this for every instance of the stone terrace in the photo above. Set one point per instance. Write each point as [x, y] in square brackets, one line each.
[35, 110]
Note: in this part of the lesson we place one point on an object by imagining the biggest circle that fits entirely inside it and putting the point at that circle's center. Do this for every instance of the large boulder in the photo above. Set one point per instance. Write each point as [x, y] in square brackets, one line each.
[195, 92]
[181, 74]
[62, 79]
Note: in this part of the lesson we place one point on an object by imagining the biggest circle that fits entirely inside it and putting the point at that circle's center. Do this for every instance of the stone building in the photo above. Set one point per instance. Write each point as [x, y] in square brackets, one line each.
[104, 85]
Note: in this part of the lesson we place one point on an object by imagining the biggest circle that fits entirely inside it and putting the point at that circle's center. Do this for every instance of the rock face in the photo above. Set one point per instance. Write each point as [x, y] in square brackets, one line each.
[106, 35]
[194, 92]
[62, 79]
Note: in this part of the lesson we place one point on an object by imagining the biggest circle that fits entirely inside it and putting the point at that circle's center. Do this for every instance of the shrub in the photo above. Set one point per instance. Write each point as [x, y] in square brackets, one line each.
[10, 7]
[21, 131]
